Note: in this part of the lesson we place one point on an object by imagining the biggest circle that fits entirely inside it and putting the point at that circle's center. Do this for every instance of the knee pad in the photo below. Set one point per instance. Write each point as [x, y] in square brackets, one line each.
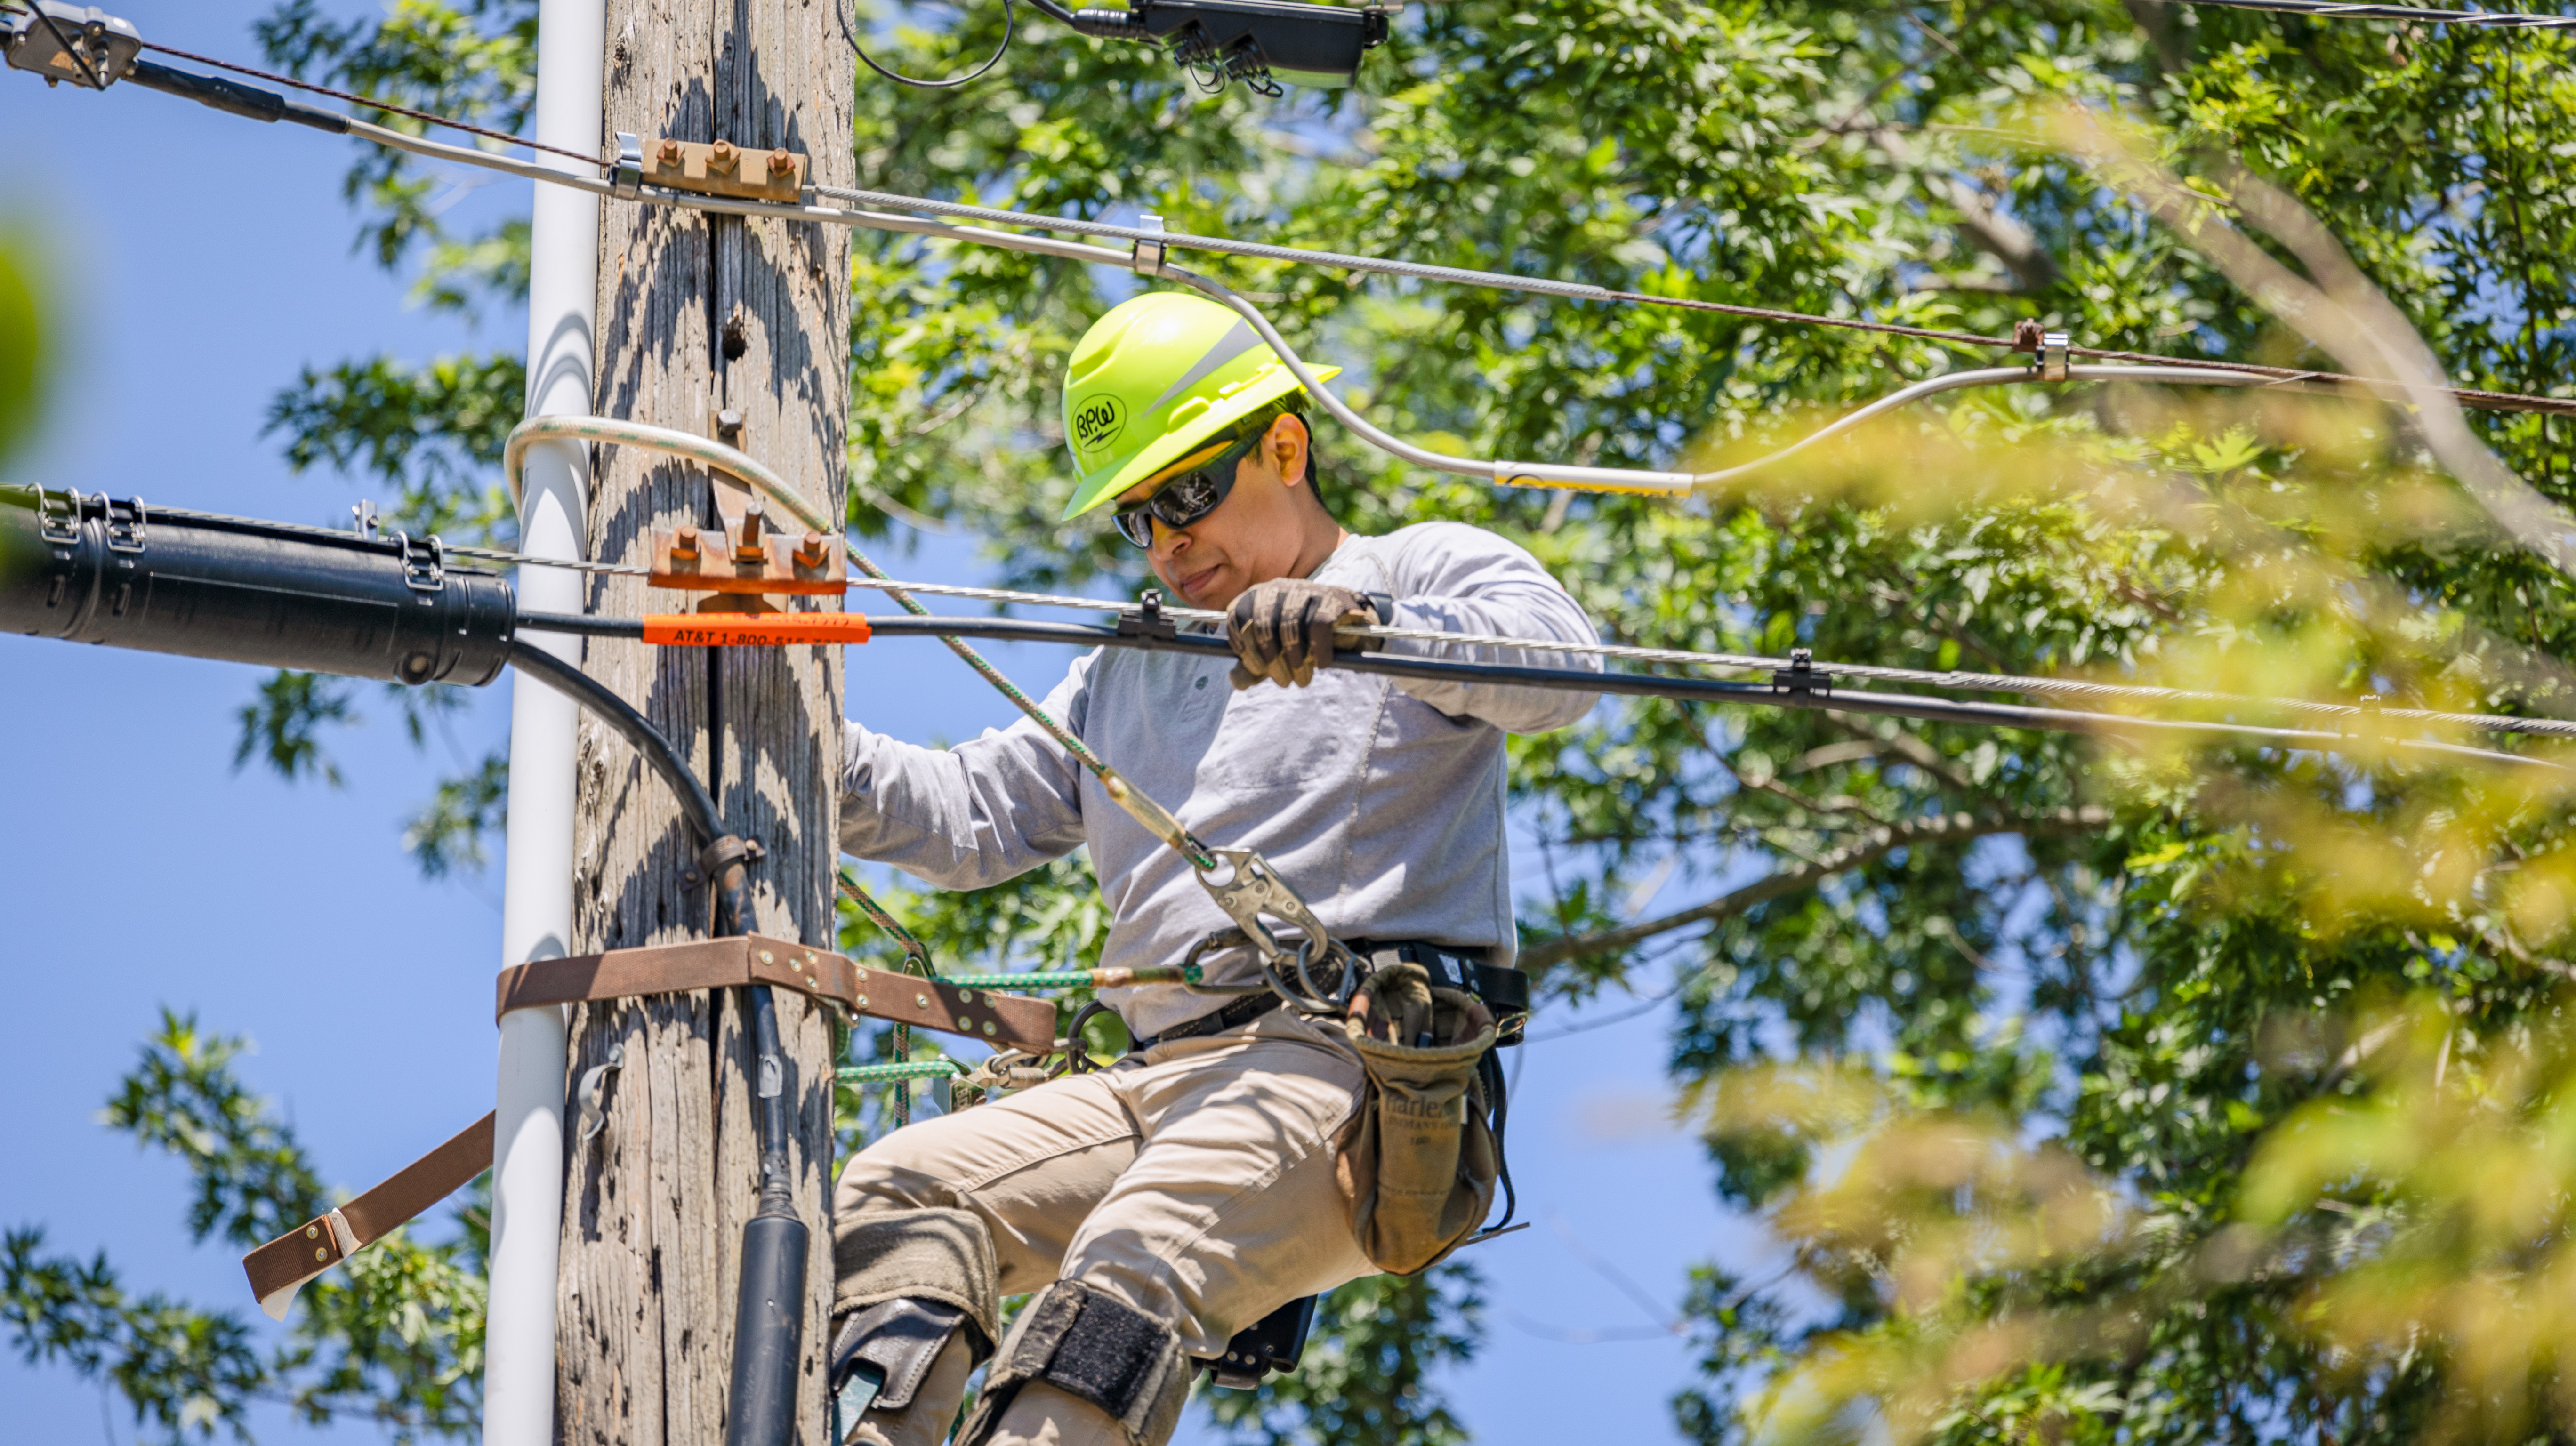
[938, 1255]
[906, 1282]
[1094, 1347]
[884, 1353]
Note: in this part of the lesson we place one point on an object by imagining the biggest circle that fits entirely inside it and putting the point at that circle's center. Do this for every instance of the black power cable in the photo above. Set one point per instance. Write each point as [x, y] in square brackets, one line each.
[1789, 688]
[1010, 23]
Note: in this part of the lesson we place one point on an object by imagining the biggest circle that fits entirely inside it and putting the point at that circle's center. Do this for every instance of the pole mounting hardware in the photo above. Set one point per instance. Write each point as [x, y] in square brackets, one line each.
[716, 168]
[716, 857]
[626, 172]
[1802, 675]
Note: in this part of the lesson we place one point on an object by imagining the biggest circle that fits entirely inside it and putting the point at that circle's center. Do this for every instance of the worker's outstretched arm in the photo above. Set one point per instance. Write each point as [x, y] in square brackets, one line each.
[1461, 579]
[969, 816]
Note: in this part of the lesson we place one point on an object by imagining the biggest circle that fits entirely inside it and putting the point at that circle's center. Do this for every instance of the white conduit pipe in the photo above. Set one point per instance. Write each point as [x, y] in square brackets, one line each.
[537, 901]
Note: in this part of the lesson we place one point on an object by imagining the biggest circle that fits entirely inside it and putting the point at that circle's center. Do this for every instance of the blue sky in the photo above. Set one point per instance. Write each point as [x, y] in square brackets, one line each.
[195, 262]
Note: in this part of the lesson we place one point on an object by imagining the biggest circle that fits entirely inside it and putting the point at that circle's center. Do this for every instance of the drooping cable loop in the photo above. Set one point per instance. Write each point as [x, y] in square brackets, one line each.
[1010, 23]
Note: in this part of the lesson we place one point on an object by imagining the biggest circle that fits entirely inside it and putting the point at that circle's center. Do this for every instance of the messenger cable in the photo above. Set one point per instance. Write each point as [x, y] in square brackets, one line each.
[1814, 692]
[1142, 238]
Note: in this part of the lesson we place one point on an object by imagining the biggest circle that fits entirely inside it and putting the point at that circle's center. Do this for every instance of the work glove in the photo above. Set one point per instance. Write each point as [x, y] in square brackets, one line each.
[1283, 630]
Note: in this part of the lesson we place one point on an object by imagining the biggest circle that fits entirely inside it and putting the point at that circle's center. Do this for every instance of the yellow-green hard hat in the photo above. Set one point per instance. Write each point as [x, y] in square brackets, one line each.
[1153, 381]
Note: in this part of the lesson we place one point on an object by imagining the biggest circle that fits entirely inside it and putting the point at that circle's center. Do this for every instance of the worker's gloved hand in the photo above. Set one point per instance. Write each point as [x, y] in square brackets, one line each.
[1283, 630]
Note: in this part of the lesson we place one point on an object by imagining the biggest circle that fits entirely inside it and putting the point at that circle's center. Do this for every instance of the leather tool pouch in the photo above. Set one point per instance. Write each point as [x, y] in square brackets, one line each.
[1417, 1160]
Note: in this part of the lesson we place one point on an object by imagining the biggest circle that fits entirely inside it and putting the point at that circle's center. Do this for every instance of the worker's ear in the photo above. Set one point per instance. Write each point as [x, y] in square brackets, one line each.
[1287, 443]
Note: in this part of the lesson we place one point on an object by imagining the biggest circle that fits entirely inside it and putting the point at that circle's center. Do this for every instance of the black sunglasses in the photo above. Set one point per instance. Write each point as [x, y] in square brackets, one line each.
[1186, 498]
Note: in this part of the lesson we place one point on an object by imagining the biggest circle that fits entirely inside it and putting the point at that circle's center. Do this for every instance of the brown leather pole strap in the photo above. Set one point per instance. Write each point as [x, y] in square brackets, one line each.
[279, 1268]
[754, 959]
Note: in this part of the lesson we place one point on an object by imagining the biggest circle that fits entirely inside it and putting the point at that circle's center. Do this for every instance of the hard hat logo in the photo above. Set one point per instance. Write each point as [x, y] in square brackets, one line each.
[1097, 424]
[1157, 378]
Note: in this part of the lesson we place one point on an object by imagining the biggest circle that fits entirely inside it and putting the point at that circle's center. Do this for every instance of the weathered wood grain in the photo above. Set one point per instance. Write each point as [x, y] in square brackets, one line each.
[655, 1202]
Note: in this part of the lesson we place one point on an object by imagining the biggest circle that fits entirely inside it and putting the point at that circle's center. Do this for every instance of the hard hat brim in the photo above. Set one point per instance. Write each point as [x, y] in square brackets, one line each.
[1274, 382]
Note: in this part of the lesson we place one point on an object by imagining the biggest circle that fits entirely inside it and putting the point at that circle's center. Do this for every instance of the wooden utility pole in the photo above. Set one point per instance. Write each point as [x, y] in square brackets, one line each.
[702, 316]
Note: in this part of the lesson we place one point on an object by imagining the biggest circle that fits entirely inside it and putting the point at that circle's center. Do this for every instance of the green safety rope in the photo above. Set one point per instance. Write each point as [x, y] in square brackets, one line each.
[899, 1072]
[1077, 978]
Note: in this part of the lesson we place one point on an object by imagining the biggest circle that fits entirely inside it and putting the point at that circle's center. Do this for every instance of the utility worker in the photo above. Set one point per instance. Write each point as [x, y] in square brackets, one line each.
[1164, 1203]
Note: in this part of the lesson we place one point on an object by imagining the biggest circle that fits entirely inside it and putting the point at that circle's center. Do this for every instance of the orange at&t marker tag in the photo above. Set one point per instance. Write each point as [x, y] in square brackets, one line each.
[715, 630]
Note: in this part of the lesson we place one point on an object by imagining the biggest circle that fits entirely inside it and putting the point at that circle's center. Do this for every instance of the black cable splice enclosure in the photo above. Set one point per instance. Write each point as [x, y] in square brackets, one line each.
[116, 573]
[235, 97]
[1305, 44]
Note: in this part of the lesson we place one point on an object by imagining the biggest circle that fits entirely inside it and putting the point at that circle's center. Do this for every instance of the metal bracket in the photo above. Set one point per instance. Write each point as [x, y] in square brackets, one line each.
[1802, 675]
[424, 565]
[2052, 355]
[712, 860]
[626, 173]
[1148, 620]
[82, 44]
[363, 520]
[1148, 257]
[125, 521]
[591, 1092]
[721, 168]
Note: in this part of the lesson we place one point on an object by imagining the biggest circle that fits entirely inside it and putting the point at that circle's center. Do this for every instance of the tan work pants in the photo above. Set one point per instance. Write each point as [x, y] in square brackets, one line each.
[1194, 1182]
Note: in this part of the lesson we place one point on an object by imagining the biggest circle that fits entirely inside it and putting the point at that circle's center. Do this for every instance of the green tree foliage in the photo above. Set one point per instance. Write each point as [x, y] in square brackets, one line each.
[1999, 1031]
[22, 348]
[395, 1338]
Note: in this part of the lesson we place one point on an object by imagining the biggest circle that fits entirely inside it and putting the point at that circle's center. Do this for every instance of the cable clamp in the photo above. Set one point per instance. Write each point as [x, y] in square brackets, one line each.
[2053, 346]
[124, 523]
[1802, 675]
[626, 173]
[61, 529]
[1147, 621]
[1150, 254]
[716, 857]
[82, 44]
[424, 565]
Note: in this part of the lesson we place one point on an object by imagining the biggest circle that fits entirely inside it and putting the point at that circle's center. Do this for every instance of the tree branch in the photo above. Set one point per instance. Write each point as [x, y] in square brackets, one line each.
[1878, 844]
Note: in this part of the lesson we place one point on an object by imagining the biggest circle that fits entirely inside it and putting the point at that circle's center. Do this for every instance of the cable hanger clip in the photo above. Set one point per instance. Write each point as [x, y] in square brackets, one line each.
[1802, 675]
[1147, 621]
[1149, 255]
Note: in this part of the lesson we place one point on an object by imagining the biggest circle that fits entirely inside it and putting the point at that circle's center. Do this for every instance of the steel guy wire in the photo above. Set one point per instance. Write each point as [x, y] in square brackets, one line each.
[1142, 236]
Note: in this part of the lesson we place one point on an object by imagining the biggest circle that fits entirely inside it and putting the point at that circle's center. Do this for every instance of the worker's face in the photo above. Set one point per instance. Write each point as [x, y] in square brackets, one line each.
[1255, 535]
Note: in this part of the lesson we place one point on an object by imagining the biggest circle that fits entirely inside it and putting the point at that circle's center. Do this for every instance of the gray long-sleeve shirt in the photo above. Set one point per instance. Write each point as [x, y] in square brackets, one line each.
[1380, 800]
